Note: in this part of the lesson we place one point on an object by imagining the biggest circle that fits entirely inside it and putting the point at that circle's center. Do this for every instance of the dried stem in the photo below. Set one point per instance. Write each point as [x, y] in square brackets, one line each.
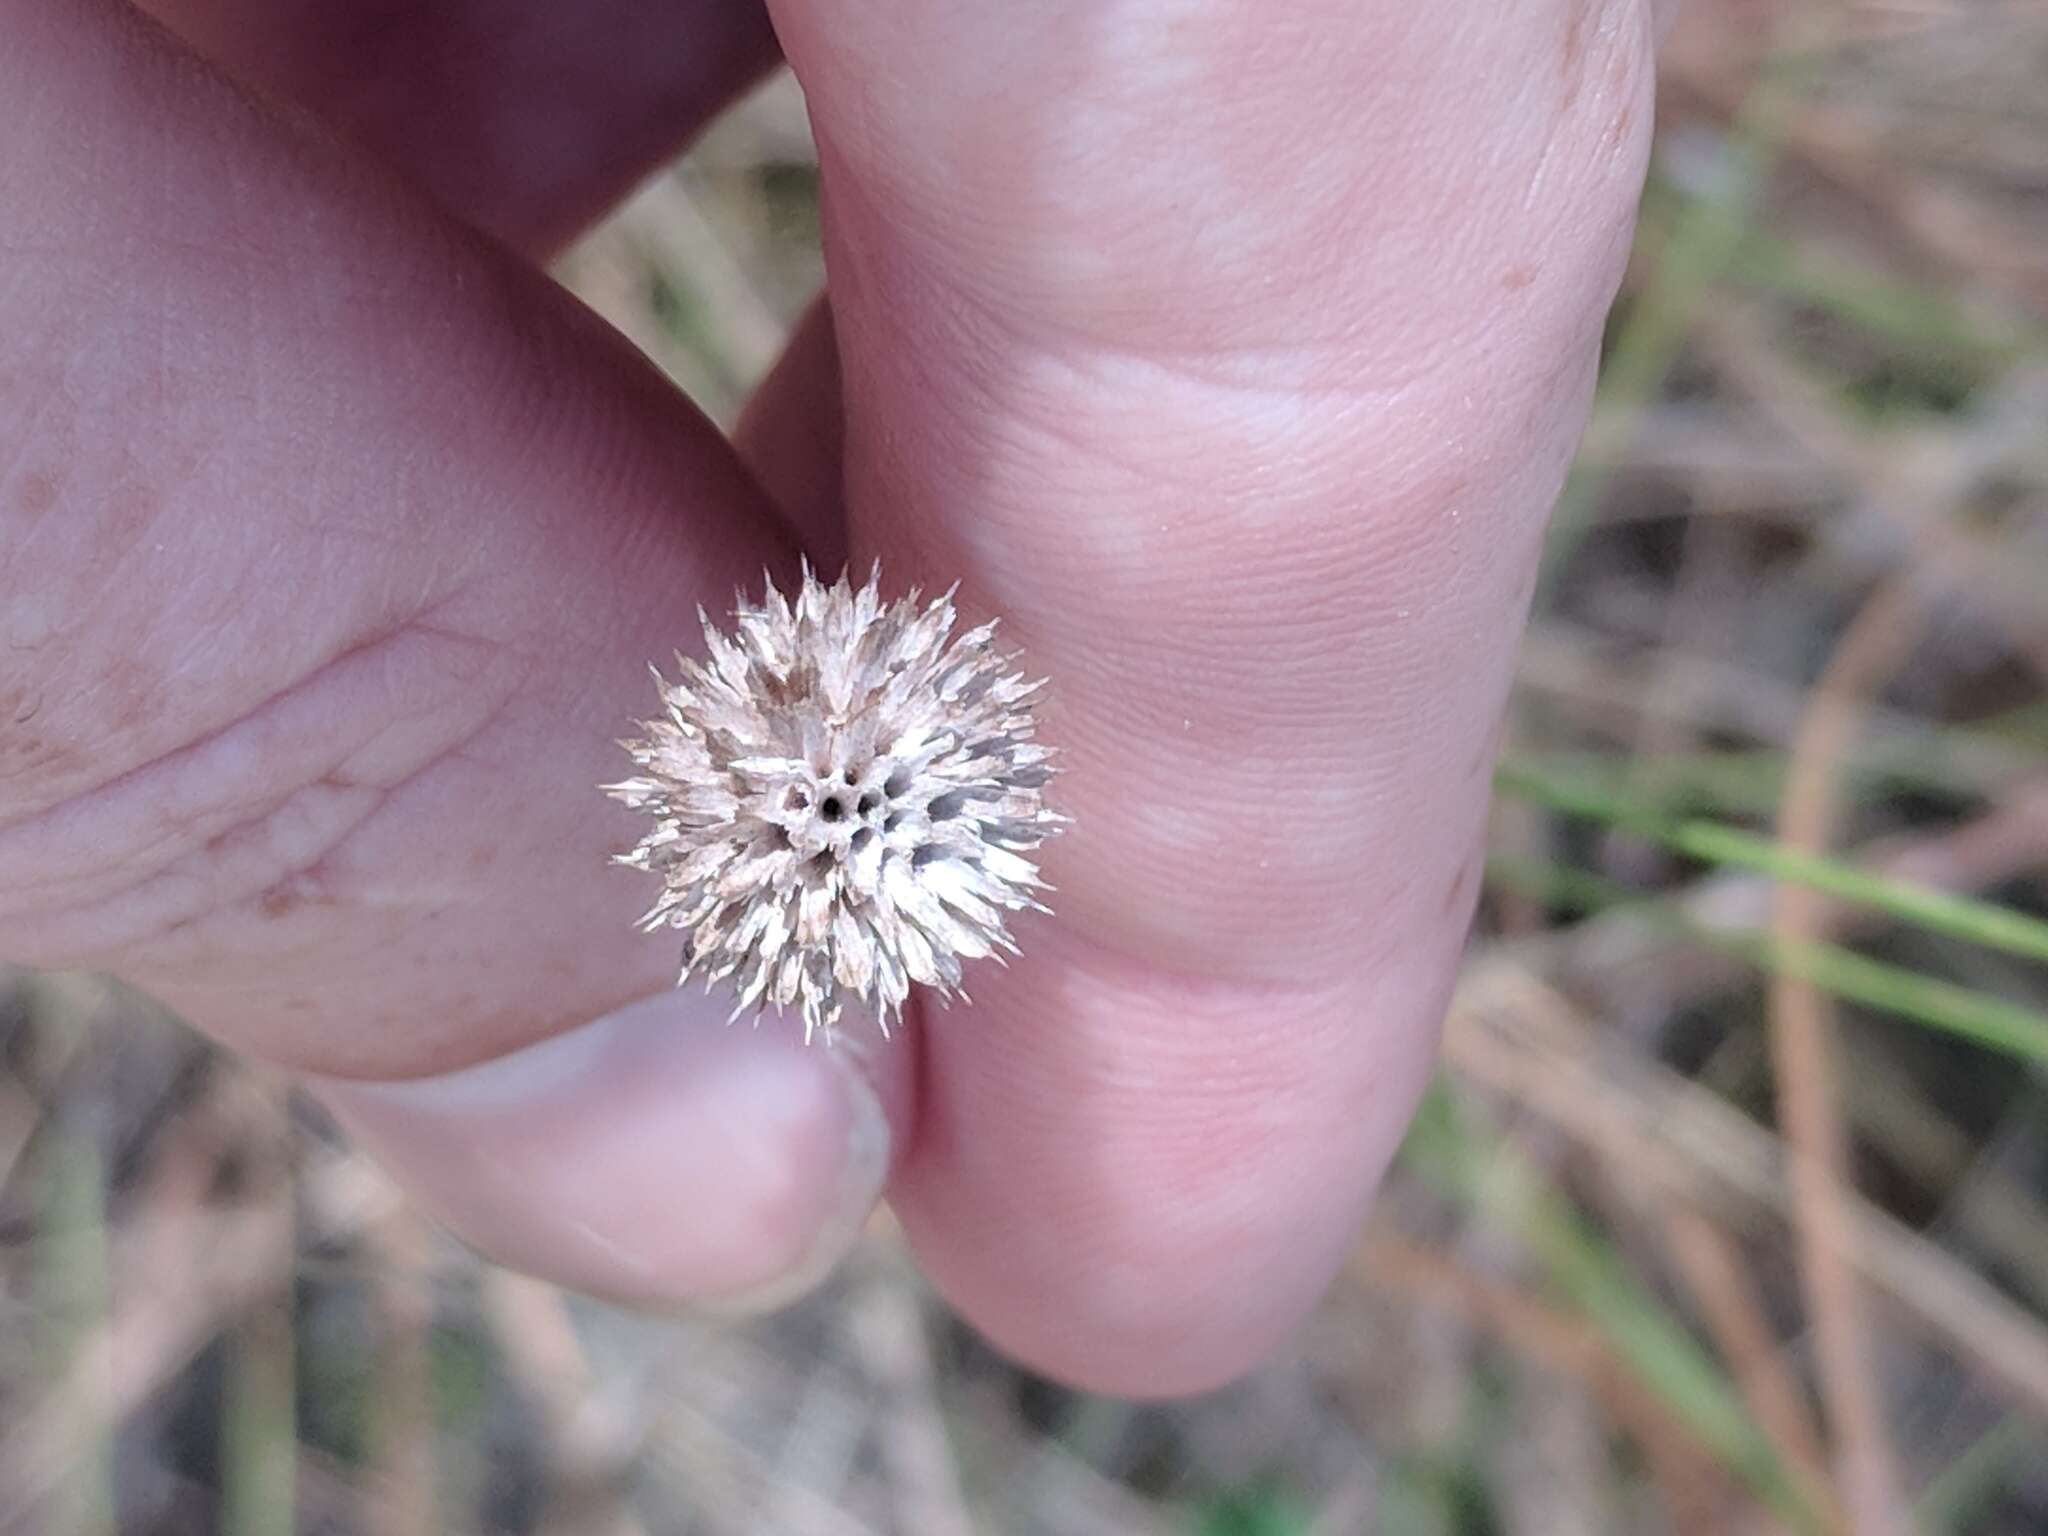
[1803, 1055]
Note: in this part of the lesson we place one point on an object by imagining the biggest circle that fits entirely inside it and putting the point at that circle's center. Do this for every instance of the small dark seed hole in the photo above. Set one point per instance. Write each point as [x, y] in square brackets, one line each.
[832, 808]
[897, 783]
[891, 822]
[868, 802]
[852, 777]
[861, 839]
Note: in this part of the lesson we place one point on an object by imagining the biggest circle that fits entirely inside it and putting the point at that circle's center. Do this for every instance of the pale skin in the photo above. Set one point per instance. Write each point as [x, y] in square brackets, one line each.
[1231, 351]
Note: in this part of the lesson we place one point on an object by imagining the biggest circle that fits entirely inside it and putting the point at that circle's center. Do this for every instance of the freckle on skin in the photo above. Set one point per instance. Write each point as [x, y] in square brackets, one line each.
[1517, 278]
[23, 755]
[279, 900]
[1622, 120]
[293, 892]
[38, 493]
[130, 686]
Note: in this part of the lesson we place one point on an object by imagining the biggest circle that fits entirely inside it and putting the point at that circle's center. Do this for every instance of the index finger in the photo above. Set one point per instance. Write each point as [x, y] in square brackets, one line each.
[1234, 354]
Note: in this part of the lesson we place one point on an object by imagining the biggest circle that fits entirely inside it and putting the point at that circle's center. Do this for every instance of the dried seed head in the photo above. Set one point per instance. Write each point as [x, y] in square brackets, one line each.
[843, 795]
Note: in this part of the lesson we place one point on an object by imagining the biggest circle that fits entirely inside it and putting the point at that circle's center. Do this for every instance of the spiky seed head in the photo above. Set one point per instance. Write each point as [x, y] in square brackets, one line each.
[844, 793]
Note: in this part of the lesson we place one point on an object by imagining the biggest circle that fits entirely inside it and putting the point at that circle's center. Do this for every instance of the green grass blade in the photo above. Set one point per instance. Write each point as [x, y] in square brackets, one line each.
[1976, 1016]
[1470, 1164]
[1959, 917]
[71, 1289]
[259, 1434]
[1957, 1497]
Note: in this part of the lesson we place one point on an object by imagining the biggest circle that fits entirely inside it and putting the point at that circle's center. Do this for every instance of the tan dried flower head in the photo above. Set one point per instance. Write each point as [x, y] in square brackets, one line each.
[843, 795]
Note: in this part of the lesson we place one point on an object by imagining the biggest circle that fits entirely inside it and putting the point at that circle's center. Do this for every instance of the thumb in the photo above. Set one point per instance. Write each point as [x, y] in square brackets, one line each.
[651, 1156]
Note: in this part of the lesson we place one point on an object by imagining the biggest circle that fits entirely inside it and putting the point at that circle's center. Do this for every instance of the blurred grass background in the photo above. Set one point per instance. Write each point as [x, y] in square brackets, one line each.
[1729, 1211]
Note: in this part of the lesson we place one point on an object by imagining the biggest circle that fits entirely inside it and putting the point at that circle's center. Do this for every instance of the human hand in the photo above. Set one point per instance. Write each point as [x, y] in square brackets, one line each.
[1231, 352]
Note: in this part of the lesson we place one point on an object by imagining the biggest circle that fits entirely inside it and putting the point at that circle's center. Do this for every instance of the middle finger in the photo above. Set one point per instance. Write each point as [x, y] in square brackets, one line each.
[524, 117]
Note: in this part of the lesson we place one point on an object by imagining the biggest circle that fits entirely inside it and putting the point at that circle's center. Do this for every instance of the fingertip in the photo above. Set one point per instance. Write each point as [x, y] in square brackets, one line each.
[653, 1157]
[1143, 1190]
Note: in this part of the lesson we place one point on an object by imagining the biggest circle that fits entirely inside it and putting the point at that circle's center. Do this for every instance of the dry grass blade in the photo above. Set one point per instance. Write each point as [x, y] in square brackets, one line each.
[733, 1483]
[1662, 1138]
[259, 1440]
[746, 335]
[587, 1447]
[1713, 1270]
[148, 1340]
[1803, 1051]
[1563, 661]
[1979, 243]
[402, 1432]
[1989, 1208]
[19, 1113]
[1913, 484]
[1558, 1341]
[185, 1270]
[1608, 955]
[888, 1333]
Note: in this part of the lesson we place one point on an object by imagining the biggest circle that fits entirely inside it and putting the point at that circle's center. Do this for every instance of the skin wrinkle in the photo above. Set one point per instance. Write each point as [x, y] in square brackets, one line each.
[1420, 543]
[1178, 416]
[205, 645]
[76, 806]
[1034, 180]
[1068, 425]
[90, 880]
[942, 308]
[1290, 992]
[1445, 207]
[272, 891]
[133, 906]
[1235, 780]
[132, 512]
[1618, 55]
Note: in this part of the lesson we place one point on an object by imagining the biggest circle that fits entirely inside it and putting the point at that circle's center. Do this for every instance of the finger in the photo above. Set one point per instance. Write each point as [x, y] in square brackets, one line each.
[527, 119]
[650, 1156]
[790, 437]
[333, 545]
[1233, 354]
